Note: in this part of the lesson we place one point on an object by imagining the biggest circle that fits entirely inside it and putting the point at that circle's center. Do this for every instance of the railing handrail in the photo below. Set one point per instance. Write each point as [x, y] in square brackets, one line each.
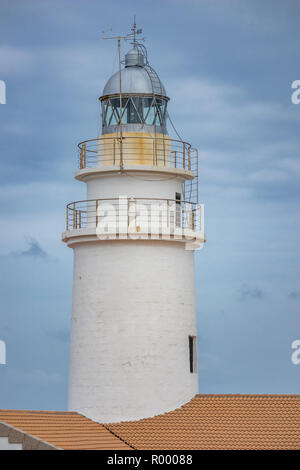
[135, 137]
[129, 198]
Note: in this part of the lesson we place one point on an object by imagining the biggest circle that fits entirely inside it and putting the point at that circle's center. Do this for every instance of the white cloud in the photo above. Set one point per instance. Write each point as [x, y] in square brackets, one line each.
[16, 60]
[211, 111]
[85, 65]
[218, 109]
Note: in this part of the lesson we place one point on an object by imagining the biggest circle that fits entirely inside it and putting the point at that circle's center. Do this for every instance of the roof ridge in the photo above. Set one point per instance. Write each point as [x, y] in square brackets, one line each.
[117, 436]
[109, 430]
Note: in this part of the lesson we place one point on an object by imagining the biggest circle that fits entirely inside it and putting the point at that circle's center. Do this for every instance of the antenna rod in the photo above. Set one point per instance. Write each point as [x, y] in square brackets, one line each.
[133, 29]
[131, 35]
[120, 84]
[121, 110]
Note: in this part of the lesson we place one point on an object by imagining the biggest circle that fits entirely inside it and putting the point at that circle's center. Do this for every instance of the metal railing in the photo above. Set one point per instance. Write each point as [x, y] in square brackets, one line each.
[139, 215]
[135, 150]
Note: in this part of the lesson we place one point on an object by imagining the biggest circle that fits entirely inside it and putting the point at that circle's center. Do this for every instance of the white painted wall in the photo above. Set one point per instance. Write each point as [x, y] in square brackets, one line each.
[147, 186]
[133, 309]
[5, 445]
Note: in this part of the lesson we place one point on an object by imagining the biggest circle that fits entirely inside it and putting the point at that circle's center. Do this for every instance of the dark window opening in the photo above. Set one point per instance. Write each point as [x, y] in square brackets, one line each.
[178, 210]
[193, 354]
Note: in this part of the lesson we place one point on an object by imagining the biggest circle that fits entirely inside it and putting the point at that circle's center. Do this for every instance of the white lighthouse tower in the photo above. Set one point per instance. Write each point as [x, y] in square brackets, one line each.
[133, 333]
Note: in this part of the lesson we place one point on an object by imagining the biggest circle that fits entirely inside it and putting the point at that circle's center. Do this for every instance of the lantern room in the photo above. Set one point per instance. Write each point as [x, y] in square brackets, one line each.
[142, 104]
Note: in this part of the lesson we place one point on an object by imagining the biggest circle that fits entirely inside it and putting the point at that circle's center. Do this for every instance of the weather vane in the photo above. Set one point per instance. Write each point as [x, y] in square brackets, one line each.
[127, 37]
[134, 33]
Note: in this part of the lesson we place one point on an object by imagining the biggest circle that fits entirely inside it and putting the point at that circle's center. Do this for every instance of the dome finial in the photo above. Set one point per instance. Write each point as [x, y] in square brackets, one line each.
[134, 33]
[133, 29]
[137, 56]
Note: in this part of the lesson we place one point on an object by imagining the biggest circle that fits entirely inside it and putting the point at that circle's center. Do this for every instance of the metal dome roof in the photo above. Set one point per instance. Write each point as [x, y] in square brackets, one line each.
[135, 79]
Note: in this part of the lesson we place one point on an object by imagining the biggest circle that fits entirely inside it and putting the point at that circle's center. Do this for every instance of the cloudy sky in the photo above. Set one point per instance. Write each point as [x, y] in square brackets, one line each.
[228, 67]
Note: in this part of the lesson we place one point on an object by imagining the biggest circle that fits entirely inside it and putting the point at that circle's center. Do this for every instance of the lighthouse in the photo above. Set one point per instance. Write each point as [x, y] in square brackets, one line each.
[133, 347]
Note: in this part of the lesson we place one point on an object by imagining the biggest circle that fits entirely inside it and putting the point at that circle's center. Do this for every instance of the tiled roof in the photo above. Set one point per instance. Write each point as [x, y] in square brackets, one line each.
[65, 430]
[219, 422]
[206, 422]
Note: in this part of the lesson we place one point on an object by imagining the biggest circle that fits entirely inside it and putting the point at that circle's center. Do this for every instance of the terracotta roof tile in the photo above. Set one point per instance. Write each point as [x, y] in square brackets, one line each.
[219, 422]
[66, 430]
[206, 422]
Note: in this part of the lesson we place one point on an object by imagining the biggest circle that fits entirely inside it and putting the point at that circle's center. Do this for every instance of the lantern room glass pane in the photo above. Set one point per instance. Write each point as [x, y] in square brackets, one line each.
[135, 110]
[147, 105]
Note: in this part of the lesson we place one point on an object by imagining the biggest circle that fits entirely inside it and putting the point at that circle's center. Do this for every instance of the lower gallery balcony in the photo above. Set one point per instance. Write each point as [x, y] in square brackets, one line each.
[136, 218]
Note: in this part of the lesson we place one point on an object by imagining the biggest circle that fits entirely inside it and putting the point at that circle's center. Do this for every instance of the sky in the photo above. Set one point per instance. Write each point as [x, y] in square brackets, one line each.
[228, 67]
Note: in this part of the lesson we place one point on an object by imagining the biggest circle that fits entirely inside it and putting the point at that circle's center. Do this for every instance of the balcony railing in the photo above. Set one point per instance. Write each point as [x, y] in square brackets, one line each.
[136, 215]
[138, 150]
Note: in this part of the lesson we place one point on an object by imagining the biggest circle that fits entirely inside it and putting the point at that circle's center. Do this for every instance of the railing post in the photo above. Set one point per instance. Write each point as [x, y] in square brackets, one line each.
[168, 213]
[79, 222]
[153, 154]
[67, 218]
[84, 154]
[183, 156]
[128, 215]
[74, 216]
[155, 151]
[114, 151]
[201, 218]
[193, 219]
[189, 155]
[175, 158]
[96, 213]
[121, 153]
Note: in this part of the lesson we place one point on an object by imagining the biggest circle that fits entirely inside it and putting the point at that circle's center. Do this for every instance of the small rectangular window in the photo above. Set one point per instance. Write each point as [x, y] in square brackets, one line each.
[193, 354]
[178, 210]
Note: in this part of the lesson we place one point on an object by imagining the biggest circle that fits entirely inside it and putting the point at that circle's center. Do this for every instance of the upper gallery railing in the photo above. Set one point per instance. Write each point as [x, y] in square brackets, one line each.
[138, 150]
